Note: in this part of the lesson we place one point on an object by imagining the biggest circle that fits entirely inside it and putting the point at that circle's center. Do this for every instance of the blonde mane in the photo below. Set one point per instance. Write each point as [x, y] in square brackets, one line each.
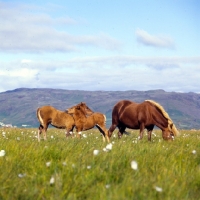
[171, 125]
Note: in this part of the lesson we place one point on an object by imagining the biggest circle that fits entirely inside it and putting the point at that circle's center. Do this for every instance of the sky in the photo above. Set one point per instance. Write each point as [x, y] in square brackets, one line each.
[100, 45]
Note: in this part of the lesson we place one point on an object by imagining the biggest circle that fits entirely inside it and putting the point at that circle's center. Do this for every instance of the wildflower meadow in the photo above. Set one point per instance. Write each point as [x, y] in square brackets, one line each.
[86, 168]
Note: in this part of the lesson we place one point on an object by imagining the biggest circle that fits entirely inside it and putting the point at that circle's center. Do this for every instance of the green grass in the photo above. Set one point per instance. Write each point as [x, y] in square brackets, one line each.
[79, 174]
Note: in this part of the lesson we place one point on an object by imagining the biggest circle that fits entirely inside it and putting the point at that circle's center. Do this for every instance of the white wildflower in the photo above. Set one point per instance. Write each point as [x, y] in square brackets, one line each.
[194, 151]
[52, 137]
[52, 180]
[158, 189]
[107, 186]
[106, 150]
[88, 167]
[18, 138]
[2, 153]
[21, 175]
[84, 135]
[48, 164]
[134, 165]
[96, 152]
[64, 163]
[73, 165]
[109, 146]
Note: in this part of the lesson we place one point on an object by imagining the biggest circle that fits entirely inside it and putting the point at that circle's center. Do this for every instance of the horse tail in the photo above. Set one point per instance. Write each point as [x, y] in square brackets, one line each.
[39, 116]
[171, 125]
[104, 119]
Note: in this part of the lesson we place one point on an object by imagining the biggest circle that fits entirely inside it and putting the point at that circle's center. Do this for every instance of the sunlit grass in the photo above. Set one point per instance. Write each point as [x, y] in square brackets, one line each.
[87, 168]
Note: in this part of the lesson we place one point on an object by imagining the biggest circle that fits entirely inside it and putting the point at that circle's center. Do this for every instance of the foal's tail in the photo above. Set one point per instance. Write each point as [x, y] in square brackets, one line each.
[39, 116]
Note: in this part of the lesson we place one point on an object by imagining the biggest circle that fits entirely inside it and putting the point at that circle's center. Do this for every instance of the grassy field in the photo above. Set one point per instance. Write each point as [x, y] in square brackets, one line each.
[71, 169]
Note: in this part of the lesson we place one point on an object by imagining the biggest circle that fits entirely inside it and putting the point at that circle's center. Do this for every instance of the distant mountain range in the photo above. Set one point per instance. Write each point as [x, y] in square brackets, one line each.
[18, 107]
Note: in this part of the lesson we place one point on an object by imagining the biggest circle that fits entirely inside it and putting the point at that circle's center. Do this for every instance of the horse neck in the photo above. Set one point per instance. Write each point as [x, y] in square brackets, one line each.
[80, 114]
[159, 120]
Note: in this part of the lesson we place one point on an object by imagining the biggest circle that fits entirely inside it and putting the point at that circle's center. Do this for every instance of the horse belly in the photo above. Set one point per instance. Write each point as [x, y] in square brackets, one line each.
[58, 125]
[130, 121]
[88, 125]
[59, 122]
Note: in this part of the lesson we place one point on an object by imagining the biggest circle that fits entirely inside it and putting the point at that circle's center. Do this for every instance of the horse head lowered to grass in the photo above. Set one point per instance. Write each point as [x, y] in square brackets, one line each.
[145, 115]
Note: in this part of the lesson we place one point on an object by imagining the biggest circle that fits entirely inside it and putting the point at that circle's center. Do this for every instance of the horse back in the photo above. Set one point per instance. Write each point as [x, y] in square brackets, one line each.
[99, 118]
[119, 107]
[49, 114]
[145, 113]
[130, 114]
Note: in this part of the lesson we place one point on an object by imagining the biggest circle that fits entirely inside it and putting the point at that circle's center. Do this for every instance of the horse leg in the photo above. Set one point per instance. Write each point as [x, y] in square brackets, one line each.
[107, 137]
[69, 131]
[149, 130]
[39, 132]
[78, 131]
[121, 131]
[111, 129]
[142, 127]
[42, 129]
[69, 126]
[101, 131]
[45, 133]
[104, 133]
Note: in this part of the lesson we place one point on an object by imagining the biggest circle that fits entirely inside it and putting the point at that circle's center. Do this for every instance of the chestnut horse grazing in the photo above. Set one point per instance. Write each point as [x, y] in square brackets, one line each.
[128, 114]
[49, 115]
[84, 122]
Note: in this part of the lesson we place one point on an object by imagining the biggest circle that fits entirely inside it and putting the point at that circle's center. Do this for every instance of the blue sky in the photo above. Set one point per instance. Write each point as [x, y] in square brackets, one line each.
[100, 45]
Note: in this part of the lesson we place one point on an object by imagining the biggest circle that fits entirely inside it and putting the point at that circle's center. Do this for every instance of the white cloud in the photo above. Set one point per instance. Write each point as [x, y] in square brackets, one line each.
[27, 30]
[104, 73]
[145, 38]
[23, 31]
[24, 73]
[25, 61]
